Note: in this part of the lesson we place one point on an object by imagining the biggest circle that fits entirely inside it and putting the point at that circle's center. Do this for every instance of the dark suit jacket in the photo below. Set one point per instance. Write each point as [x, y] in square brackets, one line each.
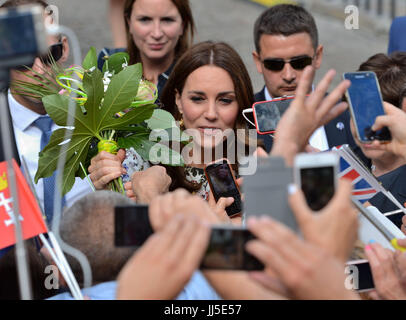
[338, 132]
[395, 182]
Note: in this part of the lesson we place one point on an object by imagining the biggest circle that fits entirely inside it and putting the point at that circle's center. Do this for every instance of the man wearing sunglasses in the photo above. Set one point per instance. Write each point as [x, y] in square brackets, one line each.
[32, 126]
[286, 42]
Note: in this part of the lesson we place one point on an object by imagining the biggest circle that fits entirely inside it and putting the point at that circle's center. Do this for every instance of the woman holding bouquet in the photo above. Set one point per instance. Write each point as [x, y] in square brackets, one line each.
[207, 91]
[158, 32]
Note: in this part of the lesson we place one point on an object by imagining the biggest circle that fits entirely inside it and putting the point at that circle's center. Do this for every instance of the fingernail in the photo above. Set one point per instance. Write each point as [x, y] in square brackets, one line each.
[371, 241]
[367, 248]
[292, 188]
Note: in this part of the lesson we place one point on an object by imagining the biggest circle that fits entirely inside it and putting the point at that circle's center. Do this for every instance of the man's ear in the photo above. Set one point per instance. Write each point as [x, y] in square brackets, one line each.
[178, 102]
[66, 50]
[318, 57]
[257, 61]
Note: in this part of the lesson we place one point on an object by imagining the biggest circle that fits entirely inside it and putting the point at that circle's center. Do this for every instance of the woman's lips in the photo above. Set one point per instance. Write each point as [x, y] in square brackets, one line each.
[210, 131]
[156, 46]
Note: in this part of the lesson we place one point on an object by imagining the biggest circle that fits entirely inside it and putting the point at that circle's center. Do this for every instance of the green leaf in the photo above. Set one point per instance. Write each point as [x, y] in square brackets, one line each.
[94, 88]
[161, 119]
[134, 116]
[115, 62]
[120, 93]
[90, 60]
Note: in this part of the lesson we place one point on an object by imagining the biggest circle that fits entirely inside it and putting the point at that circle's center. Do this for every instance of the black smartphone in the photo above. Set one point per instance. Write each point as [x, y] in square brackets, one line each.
[316, 174]
[222, 183]
[268, 113]
[396, 218]
[226, 250]
[359, 275]
[365, 101]
[132, 225]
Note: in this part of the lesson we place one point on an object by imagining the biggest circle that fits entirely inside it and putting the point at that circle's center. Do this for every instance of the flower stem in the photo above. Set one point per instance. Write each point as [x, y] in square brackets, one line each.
[88, 178]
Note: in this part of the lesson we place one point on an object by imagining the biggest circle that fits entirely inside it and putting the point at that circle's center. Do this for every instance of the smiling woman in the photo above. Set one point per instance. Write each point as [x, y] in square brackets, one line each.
[158, 33]
[207, 91]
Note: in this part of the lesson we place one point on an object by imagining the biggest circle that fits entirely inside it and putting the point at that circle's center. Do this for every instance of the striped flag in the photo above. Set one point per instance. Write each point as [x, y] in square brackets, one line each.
[364, 182]
[362, 191]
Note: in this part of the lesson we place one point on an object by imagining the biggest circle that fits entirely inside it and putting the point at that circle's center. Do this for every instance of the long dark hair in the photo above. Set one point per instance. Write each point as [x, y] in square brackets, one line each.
[185, 40]
[217, 54]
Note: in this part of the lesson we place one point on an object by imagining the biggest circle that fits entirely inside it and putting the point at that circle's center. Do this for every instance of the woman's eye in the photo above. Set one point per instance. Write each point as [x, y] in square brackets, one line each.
[226, 100]
[167, 20]
[144, 19]
[196, 98]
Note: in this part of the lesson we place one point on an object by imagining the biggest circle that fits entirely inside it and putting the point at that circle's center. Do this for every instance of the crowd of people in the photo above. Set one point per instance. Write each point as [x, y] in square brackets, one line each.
[206, 87]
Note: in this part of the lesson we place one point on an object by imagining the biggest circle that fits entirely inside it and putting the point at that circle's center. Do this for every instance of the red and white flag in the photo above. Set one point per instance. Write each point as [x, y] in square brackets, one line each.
[30, 217]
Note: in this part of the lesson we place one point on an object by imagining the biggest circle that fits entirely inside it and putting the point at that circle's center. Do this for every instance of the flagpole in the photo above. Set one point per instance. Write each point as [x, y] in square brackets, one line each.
[5, 122]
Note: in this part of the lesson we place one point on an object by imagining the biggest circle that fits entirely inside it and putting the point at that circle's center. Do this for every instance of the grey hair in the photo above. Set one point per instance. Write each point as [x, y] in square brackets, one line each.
[88, 225]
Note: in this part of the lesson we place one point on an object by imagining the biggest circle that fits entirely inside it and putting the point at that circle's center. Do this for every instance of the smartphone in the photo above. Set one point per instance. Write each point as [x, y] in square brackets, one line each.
[132, 225]
[268, 113]
[316, 174]
[266, 191]
[365, 101]
[396, 218]
[359, 275]
[226, 250]
[222, 183]
[22, 34]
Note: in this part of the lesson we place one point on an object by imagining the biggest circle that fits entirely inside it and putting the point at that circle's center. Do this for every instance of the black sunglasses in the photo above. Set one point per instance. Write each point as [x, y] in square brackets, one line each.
[297, 63]
[55, 53]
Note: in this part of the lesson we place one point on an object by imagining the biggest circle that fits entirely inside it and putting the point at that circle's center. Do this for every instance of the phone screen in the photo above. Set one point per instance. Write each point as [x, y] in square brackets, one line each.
[222, 184]
[226, 251]
[132, 225]
[267, 114]
[361, 274]
[17, 34]
[366, 103]
[318, 185]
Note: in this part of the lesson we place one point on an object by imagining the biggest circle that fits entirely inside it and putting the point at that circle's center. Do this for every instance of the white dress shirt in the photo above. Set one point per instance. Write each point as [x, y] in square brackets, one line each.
[28, 140]
[318, 139]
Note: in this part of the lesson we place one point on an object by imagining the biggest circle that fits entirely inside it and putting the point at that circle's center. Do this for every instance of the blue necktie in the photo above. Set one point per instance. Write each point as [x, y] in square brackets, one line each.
[44, 123]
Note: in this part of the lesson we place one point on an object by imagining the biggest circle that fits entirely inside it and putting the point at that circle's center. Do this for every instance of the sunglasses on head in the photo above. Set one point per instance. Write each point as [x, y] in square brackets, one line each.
[55, 53]
[297, 63]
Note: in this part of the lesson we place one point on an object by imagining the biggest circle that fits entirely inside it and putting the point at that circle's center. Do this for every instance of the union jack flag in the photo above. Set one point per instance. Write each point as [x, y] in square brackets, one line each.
[365, 184]
[362, 191]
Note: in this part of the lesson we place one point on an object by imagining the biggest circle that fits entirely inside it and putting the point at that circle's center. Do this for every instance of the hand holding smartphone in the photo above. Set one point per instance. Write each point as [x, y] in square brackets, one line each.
[226, 250]
[132, 225]
[365, 102]
[222, 183]
[316, 174]
[268, 113]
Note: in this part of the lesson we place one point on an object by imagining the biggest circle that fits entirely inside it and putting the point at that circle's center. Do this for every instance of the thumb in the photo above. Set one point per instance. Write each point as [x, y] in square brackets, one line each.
[298, 204]
[121, 154]
[380, 122]
[402, 242]
[343, 192]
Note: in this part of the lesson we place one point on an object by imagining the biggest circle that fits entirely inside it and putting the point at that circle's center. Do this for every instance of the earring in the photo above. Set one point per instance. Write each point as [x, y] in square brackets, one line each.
[181, 124]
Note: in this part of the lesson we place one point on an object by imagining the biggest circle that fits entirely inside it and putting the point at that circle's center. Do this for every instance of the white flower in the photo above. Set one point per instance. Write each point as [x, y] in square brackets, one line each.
[106, 80]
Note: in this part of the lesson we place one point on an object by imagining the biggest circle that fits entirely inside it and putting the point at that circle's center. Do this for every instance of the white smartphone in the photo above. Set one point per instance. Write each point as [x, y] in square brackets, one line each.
[316, 175]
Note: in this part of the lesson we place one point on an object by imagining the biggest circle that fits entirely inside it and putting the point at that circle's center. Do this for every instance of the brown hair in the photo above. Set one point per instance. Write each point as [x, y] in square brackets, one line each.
[16, 3]
[185, 40]
[391, 73]
[218, 54]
